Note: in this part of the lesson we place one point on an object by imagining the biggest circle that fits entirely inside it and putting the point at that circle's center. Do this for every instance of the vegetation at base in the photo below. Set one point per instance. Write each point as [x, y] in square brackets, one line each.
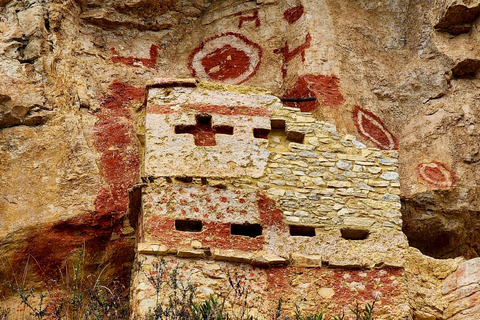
[175, 300]
[366, 314]
[83, 298]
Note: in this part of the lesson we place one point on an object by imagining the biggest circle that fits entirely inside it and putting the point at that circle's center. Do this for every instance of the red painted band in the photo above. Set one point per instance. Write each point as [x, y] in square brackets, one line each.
[222, 110]
[214, 234]
[134, 61]
[289, 55]
[253, 17]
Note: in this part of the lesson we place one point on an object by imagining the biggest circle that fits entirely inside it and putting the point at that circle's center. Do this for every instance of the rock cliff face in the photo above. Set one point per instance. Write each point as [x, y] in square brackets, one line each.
[398, 74]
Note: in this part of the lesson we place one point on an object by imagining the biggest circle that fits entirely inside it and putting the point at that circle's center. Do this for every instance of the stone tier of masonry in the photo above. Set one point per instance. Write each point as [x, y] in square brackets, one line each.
[233, 179]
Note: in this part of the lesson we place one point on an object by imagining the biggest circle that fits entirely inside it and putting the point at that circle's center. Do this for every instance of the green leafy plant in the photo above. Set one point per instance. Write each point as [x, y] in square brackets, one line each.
[105, 303]
[278, 311]
[27, 297]
[4, 313]
[175, 298]
[310, 316]
[207, 310]
[366, 314]
[77, 294]
[88, 299]
[85, 299]
[240, 298]
[180, 294]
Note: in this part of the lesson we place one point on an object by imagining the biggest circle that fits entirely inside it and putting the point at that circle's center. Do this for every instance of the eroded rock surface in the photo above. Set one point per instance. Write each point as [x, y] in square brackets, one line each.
[398, 74]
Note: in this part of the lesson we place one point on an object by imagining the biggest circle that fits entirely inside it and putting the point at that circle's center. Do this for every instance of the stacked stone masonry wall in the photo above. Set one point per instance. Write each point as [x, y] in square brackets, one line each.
[330, 179]
[276, 194]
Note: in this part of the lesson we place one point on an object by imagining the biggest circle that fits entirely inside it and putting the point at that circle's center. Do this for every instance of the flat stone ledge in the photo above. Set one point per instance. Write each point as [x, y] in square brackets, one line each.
[189, 252]
[232, 256]
[264, 259]
[153, 249]
[388, 264]
[268, 260]
[345, 264]
[308, 261]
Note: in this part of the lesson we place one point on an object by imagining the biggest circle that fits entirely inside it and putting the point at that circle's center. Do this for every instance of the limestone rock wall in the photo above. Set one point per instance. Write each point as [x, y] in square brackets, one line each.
[396, 74]
[460, 291]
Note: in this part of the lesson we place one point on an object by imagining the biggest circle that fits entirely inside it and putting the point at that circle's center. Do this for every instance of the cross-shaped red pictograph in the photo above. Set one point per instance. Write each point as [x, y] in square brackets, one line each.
[289, 55]
[203, 131]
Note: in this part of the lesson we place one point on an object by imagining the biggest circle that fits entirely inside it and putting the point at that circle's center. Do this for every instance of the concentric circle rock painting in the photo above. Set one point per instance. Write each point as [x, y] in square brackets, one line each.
[372, 128]
[229, 58]
[437, 174]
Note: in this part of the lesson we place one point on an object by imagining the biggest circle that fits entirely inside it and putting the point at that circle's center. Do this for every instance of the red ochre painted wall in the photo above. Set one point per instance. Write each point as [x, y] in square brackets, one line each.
[312, 289]
[51, 245]
[215, 109]
[225, 57]
[214, 234]
[348, 286]
[137, 62]
[324, 88]
[372, 128]
[254, 17]
[293, 14]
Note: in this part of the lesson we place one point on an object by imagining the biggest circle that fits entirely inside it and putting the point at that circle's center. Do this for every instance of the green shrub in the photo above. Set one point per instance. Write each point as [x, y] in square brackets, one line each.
[85, 299]
[175, 300]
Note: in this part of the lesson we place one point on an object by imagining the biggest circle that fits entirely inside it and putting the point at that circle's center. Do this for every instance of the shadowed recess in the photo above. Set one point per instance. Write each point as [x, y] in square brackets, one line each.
[189, 225]
[202, 131]
[279, 125]
[302, 231]
[466, 68]
[354, 234]
[249, 230]
[438, 231]
[458, 19]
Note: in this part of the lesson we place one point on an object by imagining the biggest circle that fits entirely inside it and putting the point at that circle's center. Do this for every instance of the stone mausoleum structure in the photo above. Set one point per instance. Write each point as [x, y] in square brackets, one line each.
[226, 182]
[236, 182]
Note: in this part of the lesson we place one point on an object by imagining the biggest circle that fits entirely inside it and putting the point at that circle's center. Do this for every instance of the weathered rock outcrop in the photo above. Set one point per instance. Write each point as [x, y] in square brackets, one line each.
[461, 291]
[398, 74]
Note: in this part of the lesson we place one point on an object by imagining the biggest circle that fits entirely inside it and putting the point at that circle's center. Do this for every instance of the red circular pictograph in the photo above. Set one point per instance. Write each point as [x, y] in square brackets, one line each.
[230, 58]
[436, 174]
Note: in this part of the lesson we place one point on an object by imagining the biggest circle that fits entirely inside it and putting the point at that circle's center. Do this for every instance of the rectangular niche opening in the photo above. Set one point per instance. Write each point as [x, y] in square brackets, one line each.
[204, 118]
[261, 133]
[302, 231]
[223, 130]
[294, 136]
[188, 225]
[354, 234]
[246, 229]
[277, 124]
